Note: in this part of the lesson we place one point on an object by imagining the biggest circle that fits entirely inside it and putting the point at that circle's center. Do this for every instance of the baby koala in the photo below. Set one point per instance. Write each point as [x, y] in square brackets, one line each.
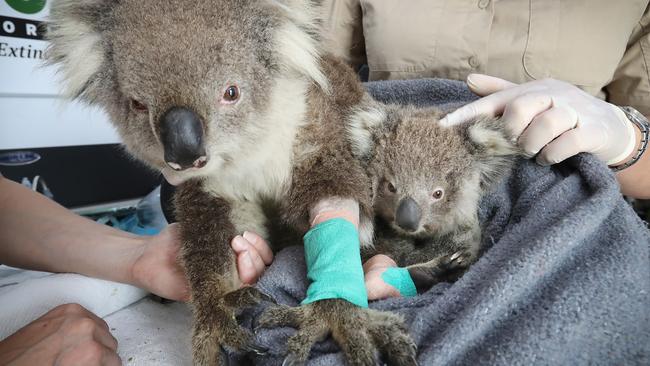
[427, 181]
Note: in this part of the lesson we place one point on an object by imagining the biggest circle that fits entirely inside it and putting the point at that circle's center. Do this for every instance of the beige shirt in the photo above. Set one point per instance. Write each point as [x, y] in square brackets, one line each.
[601, 46]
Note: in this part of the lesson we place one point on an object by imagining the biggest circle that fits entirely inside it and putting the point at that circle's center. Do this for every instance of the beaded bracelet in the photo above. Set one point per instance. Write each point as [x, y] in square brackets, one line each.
[642, 123]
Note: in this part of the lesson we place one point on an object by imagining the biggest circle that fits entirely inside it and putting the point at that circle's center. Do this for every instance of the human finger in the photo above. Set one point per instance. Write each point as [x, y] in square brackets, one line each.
[249, 272]
[565, 146]
[239, 244]
[111, 359]
[491, 105]
[258, 263]
[245, 268]
[80, 329]
[88, 353]
[261, 245]
[249, 263]
[105, 338]
[483, 85]
[519, 112]
[545, 127]
[74, 310]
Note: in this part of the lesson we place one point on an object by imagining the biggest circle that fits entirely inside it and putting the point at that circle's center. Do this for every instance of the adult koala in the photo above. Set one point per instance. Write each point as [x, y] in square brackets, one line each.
[232, 97]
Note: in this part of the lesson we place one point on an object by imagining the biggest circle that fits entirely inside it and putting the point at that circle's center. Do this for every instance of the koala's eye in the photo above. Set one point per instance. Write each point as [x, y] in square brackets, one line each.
[438, 194]
[231, 95]
[139, 106]
[391, 188]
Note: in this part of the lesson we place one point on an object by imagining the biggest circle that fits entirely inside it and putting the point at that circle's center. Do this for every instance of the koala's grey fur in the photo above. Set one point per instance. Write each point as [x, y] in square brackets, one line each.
[282, 145]
[408, 154]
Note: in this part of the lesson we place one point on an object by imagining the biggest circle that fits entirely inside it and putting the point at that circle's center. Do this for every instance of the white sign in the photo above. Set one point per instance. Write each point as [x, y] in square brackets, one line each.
[22, 49]
[32, 113]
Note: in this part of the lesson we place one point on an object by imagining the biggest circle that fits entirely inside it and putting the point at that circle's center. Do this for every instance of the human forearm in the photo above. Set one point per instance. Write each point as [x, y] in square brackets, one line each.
[635, 180]
[36, 233]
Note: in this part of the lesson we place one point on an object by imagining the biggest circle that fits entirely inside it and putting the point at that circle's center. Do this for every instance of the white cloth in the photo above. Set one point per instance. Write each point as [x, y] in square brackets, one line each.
[26, 295]
[148, 333]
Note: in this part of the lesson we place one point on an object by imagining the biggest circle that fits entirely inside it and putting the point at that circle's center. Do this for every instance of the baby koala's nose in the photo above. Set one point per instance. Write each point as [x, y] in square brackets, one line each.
[181, 133]
[408, 214]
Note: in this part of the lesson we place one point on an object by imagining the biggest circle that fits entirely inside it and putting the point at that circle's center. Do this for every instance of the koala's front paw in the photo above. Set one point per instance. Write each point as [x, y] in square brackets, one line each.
[447, 268]
[216, 327]
[459, 260]
[361, 333]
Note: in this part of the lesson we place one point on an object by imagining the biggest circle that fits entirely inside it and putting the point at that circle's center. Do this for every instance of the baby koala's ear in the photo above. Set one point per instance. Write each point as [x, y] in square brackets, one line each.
[493, 148]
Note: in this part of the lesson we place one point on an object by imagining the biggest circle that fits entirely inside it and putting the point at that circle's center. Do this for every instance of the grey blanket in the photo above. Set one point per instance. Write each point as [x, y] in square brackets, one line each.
[564, 278]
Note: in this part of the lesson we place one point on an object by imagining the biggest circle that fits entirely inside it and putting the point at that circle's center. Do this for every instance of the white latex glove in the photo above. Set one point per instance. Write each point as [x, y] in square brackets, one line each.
[551, 119]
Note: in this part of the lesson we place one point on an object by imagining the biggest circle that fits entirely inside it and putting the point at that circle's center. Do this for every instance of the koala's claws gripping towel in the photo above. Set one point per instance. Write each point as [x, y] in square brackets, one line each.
[564, 278]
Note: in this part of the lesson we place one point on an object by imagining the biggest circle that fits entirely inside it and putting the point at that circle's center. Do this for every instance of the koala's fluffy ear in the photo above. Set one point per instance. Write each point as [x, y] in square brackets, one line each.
[299, 39]
[491, 145]
[74, 30]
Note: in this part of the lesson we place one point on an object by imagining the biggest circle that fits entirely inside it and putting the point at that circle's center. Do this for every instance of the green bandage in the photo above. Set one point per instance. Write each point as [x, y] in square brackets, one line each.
[401, 280]
[334, 267]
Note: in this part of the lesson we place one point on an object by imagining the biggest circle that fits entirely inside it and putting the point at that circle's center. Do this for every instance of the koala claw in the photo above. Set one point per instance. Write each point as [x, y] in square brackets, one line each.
[257, 349]
[246, 297]
[461, 258]
[456, 255]
[268, 298]
[290, 360]
[216, 327]
[361, 333]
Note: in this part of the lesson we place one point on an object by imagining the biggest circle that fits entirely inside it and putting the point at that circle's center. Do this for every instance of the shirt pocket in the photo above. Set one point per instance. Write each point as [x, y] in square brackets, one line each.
[578, 41]
[399, 36]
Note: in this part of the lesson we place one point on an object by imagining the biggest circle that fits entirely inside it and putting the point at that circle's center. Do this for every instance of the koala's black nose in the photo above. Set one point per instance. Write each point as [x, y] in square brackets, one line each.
[181, 133]
[408, 214]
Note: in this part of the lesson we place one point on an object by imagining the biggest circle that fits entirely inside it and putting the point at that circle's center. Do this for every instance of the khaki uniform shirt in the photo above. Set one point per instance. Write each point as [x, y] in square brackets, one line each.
[601, 46]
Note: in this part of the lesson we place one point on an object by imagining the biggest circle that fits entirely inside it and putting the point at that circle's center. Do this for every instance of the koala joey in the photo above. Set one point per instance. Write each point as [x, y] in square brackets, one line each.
[427, 182]
[234, 99]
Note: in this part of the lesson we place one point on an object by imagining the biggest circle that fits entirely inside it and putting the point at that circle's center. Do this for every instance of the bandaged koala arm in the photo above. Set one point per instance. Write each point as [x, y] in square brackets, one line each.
[332, 253]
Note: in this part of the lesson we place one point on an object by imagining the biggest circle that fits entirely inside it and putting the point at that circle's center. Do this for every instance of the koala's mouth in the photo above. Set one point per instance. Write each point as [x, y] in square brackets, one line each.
[420, 233]
[199, 163]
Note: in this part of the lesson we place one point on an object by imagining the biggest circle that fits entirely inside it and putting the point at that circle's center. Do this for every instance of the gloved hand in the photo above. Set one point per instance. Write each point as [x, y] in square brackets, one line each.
[551, 119]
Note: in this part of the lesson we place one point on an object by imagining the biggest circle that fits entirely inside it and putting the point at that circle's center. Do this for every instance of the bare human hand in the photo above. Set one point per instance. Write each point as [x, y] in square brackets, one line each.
[66, 335]
[157, 268]
[253, 255]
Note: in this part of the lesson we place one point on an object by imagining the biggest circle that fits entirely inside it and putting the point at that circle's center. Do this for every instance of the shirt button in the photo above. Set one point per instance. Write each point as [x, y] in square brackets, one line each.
[474, 62]
[482, 4]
